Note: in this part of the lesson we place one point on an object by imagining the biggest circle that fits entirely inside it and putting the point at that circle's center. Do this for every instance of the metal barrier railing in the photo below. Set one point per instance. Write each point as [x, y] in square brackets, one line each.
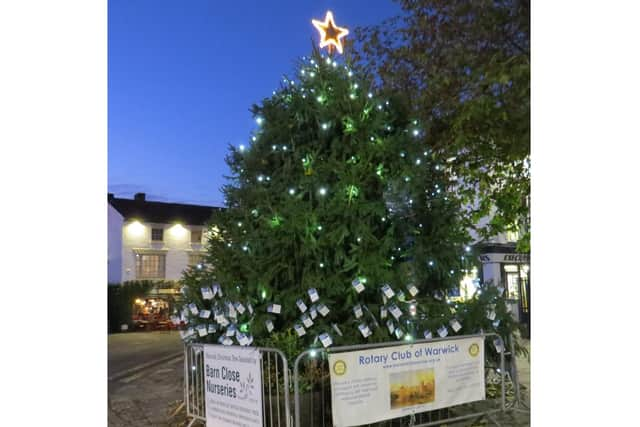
[315, 406]
[275, 386]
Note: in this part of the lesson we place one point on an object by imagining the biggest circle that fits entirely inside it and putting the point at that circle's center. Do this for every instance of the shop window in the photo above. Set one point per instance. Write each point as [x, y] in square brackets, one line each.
[196, 236]
[513, 284]
[150, 266]
[157, 234]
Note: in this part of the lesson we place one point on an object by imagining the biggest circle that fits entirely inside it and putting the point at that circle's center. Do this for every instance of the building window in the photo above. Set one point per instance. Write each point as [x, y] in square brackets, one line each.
[195, 259]
[196, 236]
[157, 234]
[150, 266]
[513, 282]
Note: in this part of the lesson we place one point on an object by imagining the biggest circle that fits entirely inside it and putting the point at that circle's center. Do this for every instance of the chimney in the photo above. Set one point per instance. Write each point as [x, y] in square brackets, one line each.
[139, 197]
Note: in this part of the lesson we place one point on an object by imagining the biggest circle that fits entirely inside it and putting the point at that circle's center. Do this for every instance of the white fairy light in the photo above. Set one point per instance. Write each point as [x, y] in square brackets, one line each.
[322, 191]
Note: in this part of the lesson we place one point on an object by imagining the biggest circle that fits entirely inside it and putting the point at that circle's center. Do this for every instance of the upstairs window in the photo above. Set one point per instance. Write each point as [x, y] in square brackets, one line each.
[157, 234]
[150, 266]
[196, 236]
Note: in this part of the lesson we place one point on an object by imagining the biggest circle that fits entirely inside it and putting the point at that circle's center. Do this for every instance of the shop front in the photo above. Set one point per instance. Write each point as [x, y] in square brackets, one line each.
[152, 312]
[505, 268]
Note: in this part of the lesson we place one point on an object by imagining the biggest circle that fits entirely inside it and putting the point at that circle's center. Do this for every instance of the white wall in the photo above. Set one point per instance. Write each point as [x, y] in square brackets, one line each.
[114, 245]
[176, 246]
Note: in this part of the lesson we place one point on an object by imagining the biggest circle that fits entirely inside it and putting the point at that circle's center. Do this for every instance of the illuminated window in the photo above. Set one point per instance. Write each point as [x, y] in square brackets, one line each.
[157, 234]
[513, 291]
[150, 266]
[196, 236]
[195, 259]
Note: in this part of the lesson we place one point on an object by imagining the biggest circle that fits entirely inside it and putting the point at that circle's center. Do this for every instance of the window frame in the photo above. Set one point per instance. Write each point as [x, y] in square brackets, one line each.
[161, 271]
[161, 234]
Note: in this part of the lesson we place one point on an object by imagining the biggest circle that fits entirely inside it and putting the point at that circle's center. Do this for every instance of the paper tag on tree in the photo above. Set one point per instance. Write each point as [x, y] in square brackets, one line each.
[301, 306]
[455, 325]
[186, 334]
[390, 326]
[400, 296]
[364, 330]
[496, 323]
[357, 311]
[387, 291]
[337, 329]
[250, 308]
[274, 308]
[202, 330]
[207, 293]
[231, 330]
[223, 321]
[175, 320]
[212, 328]
[217, 289]
[491, 315]
[395, 311]
[194, 309]
[269, 325]
[500, 290]
[240, 307]
[313, 312]
[313, 294]
[326, 340]
[242, 339]
[299, 329]
[323, 310]
[442, 331]
[428, 335]
[437, 295]
[204, 314]
[383, 312]
[398, 333]
[413, 290]
[357, 285]
[497, 343]
[306, 321]
[227, 341]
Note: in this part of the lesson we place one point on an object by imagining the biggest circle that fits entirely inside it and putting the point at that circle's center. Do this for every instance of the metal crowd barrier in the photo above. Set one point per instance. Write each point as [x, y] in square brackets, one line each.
[314, 407]
[275, 386]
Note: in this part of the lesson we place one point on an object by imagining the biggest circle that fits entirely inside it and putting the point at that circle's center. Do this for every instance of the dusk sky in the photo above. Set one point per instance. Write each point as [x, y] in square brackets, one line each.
[183, 75]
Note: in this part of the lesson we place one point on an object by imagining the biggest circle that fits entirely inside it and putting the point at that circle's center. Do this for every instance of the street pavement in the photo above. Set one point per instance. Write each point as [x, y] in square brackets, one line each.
[133, 349]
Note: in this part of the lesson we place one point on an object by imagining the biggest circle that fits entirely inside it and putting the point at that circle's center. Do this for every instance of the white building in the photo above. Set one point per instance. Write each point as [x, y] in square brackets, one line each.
[151, 240]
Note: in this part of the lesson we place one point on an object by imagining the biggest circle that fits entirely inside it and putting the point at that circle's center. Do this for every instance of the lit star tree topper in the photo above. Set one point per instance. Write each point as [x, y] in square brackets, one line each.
[330, 34]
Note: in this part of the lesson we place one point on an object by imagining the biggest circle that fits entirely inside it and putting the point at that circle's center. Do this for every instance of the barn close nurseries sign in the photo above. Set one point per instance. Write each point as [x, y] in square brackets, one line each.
[233, 386]
[379, 384]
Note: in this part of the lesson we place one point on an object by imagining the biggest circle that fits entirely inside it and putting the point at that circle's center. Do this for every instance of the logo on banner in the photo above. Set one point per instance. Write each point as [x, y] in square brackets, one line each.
[474, 350]
[339, 368]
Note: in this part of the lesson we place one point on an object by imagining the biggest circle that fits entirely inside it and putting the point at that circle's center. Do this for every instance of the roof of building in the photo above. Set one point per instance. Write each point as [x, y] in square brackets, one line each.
[160, 212]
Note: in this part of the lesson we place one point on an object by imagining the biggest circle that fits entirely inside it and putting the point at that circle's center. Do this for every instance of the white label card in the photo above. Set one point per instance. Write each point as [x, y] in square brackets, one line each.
[364, 330]
[413, 290]
[207, 293]
[313, 295]
[301, 306]
[383, 312]
[240, 307]
[390, 326]
[194, 309]
[442, 331]
[357, 285]
[299, 329]
[205, 314]
[455, 325]
[337, 329]
[269, 325]
[326, 340]
[306, 321]
[491, 315]
[387, 291]
[395, 311]
[274, 308]
[323, 310]
[357, 310]
[313, 311]
[202, 330]
[427, 335]
[399, 334]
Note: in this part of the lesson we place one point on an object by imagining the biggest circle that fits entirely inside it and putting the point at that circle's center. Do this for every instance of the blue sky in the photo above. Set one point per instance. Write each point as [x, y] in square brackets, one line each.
[183, 75]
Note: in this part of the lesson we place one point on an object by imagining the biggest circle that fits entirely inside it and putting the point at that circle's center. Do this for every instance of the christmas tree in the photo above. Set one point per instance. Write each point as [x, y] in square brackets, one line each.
[339, 224]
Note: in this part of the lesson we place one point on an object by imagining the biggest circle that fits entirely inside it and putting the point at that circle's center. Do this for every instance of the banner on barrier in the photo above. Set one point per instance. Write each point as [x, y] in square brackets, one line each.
[233, 386]
[379, 384]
